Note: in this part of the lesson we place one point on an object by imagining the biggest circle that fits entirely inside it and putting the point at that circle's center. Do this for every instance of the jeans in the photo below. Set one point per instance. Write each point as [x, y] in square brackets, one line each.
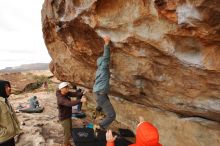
[103, 101]
[79, 105]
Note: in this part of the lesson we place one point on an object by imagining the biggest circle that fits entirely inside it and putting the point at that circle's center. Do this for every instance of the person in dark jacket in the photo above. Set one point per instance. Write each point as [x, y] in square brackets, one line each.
[9, 124]
[101, 86]
[65, 108]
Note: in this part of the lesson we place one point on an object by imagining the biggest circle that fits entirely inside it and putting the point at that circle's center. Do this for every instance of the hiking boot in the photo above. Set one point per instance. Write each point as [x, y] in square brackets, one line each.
[94, 115]
[98, 128]
[95, 127]
[98, 108]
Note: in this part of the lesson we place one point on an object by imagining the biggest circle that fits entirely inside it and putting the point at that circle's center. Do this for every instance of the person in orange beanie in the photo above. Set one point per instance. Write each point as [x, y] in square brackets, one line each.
[146, 135]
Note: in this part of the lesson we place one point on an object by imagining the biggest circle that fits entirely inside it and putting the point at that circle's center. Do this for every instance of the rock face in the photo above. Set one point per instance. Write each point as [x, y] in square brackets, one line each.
[164, 54]
[173, 130]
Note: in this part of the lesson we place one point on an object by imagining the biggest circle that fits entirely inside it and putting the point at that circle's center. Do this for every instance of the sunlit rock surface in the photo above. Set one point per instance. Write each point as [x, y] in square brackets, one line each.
[165, 53]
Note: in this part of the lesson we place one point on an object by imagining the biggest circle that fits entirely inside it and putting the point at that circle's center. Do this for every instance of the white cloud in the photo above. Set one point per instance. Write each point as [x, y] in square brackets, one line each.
[21, 34]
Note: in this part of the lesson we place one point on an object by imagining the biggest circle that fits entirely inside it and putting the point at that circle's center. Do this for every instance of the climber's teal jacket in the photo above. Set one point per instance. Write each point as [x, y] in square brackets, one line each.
[103, 73]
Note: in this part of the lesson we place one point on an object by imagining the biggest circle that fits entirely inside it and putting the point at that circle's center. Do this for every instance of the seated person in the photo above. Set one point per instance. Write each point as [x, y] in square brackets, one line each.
[146, 135]
[33, 102]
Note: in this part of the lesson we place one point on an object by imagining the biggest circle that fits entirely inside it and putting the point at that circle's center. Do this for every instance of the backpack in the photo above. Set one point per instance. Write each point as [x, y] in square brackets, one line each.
[86, 137]
[83, 135]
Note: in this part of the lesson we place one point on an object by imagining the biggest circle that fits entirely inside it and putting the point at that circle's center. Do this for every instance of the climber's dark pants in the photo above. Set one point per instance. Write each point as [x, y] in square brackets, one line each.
[103, 101]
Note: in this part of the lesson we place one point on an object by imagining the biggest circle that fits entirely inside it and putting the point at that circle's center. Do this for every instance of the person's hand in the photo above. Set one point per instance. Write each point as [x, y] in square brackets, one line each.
[83, 99]
[106, 40]
[141, 119]
[109, 136]
[84, 92]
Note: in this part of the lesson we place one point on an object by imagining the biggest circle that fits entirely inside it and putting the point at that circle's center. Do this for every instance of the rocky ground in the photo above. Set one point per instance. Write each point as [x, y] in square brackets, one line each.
[43, 129]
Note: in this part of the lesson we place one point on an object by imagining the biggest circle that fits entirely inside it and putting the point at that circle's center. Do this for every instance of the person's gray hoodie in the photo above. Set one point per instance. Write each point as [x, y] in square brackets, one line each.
[103, 73]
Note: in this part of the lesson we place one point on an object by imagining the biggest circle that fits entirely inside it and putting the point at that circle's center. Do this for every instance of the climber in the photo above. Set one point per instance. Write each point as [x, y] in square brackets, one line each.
[146, 135]
[9, 124]
[65, 108]
[101, 86]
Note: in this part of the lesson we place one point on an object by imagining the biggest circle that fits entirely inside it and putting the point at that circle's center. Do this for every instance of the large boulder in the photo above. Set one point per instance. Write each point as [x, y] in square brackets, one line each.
[164, 53]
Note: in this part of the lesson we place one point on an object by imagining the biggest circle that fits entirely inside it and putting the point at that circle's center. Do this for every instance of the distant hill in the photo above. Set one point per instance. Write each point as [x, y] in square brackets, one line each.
[27, 67]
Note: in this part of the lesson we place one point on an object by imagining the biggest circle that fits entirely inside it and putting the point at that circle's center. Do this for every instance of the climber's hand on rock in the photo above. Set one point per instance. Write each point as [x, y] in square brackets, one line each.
[106, 40]
[141, 119]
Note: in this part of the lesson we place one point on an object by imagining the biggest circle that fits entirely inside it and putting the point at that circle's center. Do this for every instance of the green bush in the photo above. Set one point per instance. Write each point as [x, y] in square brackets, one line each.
[41, 79]
[32, 86]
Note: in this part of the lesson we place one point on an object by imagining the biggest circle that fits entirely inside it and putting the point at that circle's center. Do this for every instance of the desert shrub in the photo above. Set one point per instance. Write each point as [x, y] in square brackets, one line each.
[29, 74]
[41, 79]
[17, 92]
[32, 86]
[38, 82]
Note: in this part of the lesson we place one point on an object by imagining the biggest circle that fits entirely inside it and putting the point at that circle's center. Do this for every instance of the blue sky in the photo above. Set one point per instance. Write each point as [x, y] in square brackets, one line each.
[21, 38]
